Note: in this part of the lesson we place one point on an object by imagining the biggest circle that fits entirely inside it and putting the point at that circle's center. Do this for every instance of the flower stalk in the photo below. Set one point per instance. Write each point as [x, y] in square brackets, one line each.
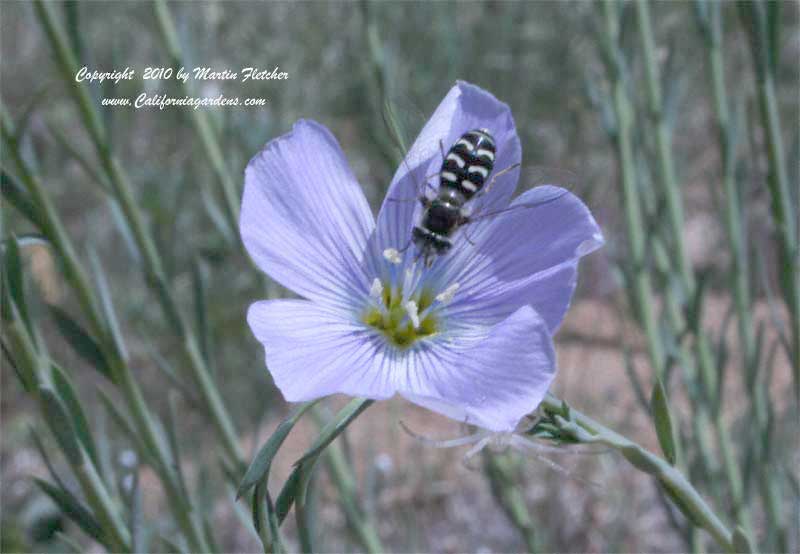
[584, 429]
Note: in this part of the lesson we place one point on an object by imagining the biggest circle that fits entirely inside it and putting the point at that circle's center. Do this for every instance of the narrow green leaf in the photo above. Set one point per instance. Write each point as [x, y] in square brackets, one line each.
[274, 526]
[84, 345]
[260, 466]
[335, 426]
[773, 29]
[68, 544]
[66, 144]
[122, 422]
[288, 493]
[72, 24]
[18, 198]
[71, 402]
[633, 377]
[172, 439]
[741, 542]
[208, 531]
[27, 378]
[125, 231]
[106, 303]
[60, 424]
[73, 508]
[172, 546]
[6, 300]
[12, 262]
[663, 421]
[39, 444]
[257, 508]
[296, 485]
[265, 520]
[200, 308]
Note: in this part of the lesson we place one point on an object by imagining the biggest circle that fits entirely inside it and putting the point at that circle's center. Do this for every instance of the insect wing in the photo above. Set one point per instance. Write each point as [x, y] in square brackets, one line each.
[539, 176]
[542, 185]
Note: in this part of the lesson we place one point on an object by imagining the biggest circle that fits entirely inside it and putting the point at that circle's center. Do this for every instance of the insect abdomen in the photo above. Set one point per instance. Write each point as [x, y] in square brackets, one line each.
[469, 162]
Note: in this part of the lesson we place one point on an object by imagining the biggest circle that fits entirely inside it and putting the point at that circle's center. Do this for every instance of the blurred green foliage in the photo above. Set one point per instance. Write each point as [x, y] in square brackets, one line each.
[120, 250]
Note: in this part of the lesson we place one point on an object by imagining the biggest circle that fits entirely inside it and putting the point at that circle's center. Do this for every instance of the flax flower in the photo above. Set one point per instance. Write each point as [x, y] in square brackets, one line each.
[469, 337]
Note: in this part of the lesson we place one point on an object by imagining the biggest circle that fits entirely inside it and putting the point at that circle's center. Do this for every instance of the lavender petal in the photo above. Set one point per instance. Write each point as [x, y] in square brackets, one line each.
[492, 382]
[304, 218]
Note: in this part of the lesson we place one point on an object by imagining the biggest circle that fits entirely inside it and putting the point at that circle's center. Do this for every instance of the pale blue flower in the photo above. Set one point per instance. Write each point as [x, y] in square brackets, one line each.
[469, 337]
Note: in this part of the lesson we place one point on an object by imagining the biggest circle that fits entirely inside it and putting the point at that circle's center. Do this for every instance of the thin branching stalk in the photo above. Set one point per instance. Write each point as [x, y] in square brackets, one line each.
[696, 357]
[153, 269]
[202, 123]
[672, 194]
[784, 208]
[505, 484]
[666, 166]
[709, 18]
[584, 429]
[643, 289]
[344, 481]
[117, 360]
[92, 486]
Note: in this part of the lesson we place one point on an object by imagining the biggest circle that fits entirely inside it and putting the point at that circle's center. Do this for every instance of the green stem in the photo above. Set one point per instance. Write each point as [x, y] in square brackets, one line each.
[53, 228]
[584, 429]
[666, 165]
[504, 482]
[201, 122]
[784, 210]
[154, 272]
[343, 479]
[91, 485]
[643, 289]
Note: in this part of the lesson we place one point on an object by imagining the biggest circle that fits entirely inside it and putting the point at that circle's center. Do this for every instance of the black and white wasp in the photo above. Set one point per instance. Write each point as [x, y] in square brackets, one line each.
[464, 175]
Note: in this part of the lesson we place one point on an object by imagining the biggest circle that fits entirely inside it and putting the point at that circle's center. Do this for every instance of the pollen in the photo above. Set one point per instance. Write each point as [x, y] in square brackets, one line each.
[392, 256]
[413, 313]
[448, 293]
[376, 290]
[402, 319]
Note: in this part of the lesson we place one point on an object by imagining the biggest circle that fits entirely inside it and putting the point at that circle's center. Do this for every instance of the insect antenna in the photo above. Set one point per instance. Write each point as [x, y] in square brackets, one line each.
[397, 136]
[488, 187]
[523, 206]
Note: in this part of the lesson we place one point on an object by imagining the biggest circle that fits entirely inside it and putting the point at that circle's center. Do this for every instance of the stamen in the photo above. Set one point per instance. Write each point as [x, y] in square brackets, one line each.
[410, 281]
[413, 313]
[392, 256]
[448, 293]
[376, 290]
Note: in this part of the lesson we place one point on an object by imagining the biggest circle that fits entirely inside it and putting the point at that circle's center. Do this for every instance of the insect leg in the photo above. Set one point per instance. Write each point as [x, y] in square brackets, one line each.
[405, 247]
[488, 187]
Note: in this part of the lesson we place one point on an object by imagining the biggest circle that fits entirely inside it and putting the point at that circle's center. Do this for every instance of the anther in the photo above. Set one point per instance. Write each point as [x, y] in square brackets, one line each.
[448, 294]
[376, 290]
[413, 313]
[392, 256]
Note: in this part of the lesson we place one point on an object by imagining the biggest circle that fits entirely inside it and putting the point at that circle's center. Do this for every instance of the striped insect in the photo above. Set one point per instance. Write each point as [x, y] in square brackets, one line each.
[463, 175]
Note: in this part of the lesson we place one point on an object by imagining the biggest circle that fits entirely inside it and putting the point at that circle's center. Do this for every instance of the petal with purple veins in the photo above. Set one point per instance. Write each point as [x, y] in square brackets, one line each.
[313, 351]
[491, 381]
[465, 107]
[304, 218]
[529, 255]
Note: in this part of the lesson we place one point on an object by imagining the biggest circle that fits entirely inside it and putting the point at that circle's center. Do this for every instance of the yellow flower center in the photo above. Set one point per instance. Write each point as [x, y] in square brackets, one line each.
[402, 322]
